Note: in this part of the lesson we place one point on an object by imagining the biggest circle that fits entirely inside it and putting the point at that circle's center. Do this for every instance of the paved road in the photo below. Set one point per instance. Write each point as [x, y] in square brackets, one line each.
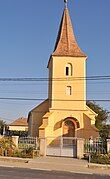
[17, 173]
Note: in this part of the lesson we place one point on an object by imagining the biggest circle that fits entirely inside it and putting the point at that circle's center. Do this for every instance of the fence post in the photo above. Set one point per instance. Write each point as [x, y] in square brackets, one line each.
[80, 148]
[15, 140]
[43, 146]
[36, 143]
[108, 145]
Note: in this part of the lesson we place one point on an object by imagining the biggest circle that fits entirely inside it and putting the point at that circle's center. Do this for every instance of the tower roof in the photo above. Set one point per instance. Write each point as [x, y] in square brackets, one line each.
[66, 44]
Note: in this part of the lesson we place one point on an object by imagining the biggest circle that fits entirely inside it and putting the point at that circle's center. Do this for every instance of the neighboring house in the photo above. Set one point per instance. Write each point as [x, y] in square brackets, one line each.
[18, 125]
[65, 112]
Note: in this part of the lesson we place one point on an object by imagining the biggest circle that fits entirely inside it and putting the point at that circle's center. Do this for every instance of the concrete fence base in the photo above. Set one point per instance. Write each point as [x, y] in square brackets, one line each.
[43, 146]
[80, 148]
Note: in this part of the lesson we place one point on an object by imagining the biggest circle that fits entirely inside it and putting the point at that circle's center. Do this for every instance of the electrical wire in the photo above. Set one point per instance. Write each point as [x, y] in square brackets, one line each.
[42, 99]
[106, 77]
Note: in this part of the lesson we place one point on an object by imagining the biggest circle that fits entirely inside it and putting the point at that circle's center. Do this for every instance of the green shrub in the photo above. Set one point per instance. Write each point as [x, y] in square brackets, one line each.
[100, 158]
[30, 153]
[36, 153]
[27, 153]
[17, 153]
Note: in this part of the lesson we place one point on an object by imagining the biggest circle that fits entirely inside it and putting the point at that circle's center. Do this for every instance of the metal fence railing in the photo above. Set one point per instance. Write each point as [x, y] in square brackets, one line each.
[28, 142]
[95, 146]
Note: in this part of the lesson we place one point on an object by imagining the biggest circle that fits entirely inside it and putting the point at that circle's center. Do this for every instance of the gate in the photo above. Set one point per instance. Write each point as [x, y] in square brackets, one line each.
[62, 146]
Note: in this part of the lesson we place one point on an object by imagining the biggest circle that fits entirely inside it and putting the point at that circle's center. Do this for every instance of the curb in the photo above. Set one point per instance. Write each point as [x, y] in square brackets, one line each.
[93, 165]
[13, 159]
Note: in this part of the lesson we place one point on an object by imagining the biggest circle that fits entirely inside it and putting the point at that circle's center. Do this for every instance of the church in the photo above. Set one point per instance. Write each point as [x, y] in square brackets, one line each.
[64, 113]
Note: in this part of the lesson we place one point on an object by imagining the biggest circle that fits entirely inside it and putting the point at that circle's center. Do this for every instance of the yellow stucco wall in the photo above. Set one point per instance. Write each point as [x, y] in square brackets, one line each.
[54, 127]
[35, 118]
[57, 87]
[89, 129]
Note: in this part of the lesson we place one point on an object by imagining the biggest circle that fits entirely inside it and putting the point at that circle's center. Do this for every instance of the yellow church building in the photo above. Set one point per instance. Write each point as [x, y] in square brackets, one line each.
[64, 113]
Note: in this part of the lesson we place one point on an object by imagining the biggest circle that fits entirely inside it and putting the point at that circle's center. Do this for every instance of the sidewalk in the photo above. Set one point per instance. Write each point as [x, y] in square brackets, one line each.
[56, 164]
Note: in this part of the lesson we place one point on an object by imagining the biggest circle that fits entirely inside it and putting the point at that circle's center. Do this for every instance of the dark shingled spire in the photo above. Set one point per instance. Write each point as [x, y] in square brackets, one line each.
[66, 44]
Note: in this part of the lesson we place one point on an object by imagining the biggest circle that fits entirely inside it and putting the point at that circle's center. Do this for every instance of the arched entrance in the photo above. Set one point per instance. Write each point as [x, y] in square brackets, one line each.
[69, 125]
[66, 144]
[68, 128]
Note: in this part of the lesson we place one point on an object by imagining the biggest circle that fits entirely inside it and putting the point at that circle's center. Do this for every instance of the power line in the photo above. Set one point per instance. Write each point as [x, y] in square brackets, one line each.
[41, 99]
[57, 92]
[106, 77]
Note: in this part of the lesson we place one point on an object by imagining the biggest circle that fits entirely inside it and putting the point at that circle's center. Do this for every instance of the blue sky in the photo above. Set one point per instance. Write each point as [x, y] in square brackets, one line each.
[28, 30]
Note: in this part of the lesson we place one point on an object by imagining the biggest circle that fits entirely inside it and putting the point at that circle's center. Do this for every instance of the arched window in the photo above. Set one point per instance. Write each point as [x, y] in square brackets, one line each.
[69, 69]
[68, 90]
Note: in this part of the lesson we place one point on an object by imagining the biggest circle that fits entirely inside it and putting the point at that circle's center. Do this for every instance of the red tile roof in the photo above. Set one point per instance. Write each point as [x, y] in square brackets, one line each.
[19, 122]
[66, 44]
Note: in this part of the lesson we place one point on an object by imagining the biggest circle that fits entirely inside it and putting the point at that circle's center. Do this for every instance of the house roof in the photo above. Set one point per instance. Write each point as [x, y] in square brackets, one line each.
[66, 44]
[19, 122]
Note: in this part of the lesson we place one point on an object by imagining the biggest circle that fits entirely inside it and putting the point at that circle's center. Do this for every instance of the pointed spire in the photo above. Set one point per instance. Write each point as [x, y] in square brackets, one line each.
[66, 44]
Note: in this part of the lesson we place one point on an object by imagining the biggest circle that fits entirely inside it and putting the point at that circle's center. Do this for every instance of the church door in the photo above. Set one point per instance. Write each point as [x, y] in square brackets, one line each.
[68, 129]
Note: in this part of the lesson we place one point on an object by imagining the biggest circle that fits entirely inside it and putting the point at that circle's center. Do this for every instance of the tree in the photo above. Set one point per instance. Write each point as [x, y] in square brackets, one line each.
[101, 119]
[6, 143]
[2, 126]
[105, 131]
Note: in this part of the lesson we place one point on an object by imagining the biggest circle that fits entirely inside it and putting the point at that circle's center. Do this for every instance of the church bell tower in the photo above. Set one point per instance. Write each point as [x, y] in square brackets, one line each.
[67, 69]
